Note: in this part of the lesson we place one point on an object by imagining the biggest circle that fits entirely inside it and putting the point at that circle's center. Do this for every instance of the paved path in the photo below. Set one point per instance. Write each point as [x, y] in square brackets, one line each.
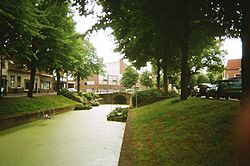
[76, 138]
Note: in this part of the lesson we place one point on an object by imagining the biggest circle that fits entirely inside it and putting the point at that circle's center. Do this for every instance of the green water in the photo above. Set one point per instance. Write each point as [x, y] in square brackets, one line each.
[72, 138]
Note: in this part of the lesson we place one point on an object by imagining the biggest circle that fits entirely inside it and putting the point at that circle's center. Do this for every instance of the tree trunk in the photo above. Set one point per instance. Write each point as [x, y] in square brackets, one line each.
[184, 70]
[58, 82]
[245, 62]
[188, 81]
[186, 20]
[32, 77]
[165, 80]
[158, 78]
[78, 83]
[1, 75]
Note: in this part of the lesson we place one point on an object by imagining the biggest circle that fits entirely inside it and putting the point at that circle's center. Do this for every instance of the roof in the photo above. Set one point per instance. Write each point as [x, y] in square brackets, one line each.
[234, 64]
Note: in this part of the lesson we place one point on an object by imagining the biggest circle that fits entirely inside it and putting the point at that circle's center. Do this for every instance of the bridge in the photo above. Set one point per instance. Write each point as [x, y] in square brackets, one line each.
[116, 98]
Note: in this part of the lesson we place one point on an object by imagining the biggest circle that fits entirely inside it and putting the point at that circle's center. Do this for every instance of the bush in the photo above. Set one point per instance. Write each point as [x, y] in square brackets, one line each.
[74, 96]
[89, 96]
[83, 107]
[64, 90]
[172, 94]
[143, 95]
[95, 103]
[119, 114]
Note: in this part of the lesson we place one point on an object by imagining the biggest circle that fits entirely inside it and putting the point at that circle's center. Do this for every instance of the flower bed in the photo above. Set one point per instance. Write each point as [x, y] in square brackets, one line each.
[119, 114]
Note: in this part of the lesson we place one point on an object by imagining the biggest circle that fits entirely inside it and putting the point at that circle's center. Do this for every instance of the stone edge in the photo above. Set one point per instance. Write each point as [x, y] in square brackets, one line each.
[29, 117]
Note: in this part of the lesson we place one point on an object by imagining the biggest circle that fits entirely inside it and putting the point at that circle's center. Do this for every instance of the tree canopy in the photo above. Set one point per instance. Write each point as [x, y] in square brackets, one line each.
[177, 34]
[40, 35]
[129, 77]
[146, 79]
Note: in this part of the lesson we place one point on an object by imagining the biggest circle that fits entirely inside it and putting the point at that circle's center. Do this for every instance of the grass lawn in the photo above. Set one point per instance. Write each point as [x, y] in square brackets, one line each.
[184, 133]
[15, 106]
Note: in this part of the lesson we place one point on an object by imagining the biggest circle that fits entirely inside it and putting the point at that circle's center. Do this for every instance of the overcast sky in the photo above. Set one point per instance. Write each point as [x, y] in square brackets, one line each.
[102, 40]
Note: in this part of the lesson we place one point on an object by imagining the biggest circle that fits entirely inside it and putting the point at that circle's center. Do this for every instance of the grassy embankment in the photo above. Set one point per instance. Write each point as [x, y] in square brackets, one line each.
[21, 105]
[192, 132]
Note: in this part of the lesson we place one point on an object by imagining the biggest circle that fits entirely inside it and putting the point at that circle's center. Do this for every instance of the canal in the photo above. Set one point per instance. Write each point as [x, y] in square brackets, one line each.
[75, 138]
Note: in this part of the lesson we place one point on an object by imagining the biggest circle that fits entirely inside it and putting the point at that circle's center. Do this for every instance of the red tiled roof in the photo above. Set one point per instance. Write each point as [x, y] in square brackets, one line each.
[234, 64]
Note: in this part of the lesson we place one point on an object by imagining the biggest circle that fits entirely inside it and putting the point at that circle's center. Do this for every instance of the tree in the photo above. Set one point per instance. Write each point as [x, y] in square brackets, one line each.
[55, 34]
[232, 19]
[210, 57]
[87, 62]
[19, 24]
[146, 79]
[141, 26]
[129, 77]
[156, 69]
[162, 29]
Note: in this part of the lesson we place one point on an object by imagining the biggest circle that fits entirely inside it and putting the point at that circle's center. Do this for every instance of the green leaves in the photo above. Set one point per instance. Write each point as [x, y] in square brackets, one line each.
[86, 63]
[146, 79]
[129, 77]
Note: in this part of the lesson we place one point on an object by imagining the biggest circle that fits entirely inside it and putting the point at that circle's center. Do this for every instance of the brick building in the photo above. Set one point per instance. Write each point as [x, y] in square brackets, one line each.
[233, 68]
[108, 82]
[16, 78]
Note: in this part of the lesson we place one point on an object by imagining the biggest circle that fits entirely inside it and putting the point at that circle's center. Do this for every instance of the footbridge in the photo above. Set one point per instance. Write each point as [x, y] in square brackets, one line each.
[116, 98]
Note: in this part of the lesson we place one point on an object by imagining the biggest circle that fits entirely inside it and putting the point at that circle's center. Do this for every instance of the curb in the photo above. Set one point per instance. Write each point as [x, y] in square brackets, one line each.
[126, 154]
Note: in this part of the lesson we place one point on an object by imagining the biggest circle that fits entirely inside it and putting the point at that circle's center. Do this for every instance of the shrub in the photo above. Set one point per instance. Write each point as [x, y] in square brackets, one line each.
[172, 94]
[63, 91]
[143, 95]
[83, 107]
[74, 96]
[89, 95]
[95, 103]
[119, 114]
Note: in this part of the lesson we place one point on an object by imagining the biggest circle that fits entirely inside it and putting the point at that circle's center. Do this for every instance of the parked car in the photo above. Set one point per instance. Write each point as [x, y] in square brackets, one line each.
[225, 89]
[229, 88]
[212, 91]
[200, 90]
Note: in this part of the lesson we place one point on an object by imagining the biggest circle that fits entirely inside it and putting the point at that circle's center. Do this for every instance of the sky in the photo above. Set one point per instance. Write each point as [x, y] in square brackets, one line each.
[233, 47]
[104, 41]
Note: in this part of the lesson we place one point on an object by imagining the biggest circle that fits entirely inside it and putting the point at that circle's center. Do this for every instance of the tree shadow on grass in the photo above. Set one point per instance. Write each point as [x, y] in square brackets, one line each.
[176, 101]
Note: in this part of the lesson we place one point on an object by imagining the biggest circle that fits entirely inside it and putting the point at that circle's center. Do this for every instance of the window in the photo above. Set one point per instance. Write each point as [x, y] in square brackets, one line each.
[71, 85]
[12, 81]
[27, 83]
[112, 80]
[45, 85]
[103, 80]
[18, 82]
[88, 90]
[90, 83]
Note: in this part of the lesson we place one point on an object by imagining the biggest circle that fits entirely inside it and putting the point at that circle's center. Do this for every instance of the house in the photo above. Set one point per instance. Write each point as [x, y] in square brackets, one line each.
[233, 69]
[108, 82]
[16, 78]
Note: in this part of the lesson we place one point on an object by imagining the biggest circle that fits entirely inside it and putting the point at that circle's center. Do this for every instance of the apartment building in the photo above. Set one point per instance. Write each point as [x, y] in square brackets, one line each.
[108, 82]
[16, 78]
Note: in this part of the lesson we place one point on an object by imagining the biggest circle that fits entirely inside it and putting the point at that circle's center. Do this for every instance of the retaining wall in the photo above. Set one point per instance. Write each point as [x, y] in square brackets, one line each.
[28, 117]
